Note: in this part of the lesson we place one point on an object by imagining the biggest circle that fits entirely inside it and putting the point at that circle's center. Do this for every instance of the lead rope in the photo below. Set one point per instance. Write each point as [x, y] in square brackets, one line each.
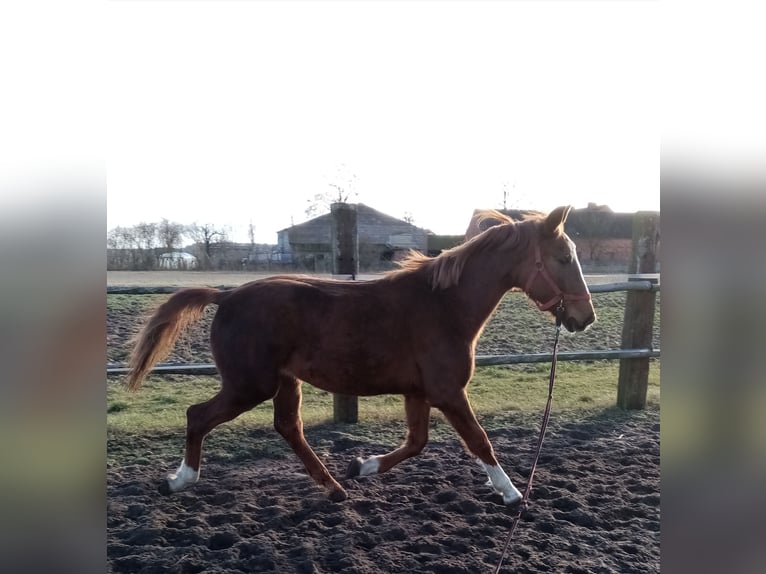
[543, 427]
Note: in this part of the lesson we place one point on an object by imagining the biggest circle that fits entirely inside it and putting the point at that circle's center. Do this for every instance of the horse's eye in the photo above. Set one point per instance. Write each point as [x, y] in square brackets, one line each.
[566, 260]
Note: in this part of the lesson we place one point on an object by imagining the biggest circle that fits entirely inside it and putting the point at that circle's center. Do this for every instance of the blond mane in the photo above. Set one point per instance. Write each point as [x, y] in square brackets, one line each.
[445, 269]
[483, 219]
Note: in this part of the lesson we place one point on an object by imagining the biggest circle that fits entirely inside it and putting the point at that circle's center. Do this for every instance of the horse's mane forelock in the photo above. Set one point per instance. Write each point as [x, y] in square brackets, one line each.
[494, 217]
[482, 215]
[445, 269]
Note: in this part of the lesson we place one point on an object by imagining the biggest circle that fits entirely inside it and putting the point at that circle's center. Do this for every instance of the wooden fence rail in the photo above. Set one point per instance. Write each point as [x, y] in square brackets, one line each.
[480, 361]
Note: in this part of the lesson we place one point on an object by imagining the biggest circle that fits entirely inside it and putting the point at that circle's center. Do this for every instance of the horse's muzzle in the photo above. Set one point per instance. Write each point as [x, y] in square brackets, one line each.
[573, 325]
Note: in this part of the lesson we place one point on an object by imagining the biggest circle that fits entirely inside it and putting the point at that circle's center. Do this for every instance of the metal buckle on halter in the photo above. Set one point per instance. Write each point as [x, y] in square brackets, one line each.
[559, 313]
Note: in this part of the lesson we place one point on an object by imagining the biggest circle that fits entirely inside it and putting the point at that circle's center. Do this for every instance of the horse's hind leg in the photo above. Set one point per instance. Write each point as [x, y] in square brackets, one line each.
[417, 410]
[200, 420]
[288, 423]
[459, 414]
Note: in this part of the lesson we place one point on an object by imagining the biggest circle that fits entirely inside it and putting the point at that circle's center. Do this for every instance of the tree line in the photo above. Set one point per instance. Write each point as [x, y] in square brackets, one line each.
[139, 247]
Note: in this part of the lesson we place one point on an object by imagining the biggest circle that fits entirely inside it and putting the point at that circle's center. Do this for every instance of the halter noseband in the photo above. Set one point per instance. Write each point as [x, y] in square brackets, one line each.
[559, 296]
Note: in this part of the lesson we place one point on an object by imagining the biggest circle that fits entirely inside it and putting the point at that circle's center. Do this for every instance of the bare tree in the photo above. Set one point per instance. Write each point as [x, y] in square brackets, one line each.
[169, 234]
[132, 247]
[205, 236]
[146, 234]
[137, 247]
[130, 242]
[121, 246]
[146, 238]
[342, 185]
[408, 218]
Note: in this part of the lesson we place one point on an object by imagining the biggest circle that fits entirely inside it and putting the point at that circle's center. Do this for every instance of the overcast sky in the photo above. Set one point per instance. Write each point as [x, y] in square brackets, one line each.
[238, 112]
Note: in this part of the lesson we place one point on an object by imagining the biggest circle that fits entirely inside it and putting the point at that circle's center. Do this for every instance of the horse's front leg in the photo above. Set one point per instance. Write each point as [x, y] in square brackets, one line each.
[460, 415]
[288, 423]
[417, 410]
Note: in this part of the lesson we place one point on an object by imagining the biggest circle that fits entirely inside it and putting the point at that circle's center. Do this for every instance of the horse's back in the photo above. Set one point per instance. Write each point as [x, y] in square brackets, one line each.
[352, 337]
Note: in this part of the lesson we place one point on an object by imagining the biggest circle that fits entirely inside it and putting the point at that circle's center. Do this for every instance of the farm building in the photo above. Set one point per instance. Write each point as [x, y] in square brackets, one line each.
[381, 238]
[177, 260]
[603, 237]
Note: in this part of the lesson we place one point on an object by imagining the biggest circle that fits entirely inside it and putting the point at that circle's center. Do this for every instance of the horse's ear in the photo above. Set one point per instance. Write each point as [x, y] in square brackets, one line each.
[556, 219]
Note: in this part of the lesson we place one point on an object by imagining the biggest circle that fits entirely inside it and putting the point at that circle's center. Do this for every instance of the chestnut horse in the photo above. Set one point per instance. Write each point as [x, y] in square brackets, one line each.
[412, 332]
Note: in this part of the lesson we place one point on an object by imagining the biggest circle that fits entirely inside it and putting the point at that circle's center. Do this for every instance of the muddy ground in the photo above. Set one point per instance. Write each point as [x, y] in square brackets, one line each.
[595, 508]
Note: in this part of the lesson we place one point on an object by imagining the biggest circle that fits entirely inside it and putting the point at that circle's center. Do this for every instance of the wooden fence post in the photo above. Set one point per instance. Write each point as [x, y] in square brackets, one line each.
[638, 321]
[646, 238]
[345, 261]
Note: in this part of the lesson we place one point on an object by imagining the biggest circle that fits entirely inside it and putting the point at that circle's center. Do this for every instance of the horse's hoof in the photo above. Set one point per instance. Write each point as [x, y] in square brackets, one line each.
[512, 499]
[164, 488]
[337, 495]
[354, 468]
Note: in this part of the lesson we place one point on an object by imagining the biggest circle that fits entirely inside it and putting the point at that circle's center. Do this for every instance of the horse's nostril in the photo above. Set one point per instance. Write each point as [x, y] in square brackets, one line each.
[573, 325]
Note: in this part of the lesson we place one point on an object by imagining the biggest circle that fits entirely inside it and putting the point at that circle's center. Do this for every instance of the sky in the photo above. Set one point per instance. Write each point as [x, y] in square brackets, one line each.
[238, 113]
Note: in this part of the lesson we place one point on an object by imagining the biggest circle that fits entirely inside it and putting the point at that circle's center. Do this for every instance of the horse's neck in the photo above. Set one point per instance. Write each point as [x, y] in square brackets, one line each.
[483, 283]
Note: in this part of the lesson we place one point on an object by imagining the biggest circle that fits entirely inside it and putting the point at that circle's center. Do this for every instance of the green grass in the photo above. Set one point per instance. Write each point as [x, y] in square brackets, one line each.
[161, 404]
[134, 304]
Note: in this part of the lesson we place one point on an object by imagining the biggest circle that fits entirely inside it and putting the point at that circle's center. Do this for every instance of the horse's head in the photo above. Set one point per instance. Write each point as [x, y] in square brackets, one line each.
[553, 273]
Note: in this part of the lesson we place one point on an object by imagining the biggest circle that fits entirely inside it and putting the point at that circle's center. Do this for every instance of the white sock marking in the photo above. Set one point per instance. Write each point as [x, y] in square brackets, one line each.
[501, 483]
[183, 477]
[370, 466]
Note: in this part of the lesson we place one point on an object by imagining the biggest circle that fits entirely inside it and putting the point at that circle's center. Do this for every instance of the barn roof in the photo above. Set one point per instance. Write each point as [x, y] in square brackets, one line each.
[374, 227]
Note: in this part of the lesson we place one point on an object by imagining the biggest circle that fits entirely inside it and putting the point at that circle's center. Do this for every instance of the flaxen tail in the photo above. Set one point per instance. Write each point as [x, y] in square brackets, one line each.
[158, 336]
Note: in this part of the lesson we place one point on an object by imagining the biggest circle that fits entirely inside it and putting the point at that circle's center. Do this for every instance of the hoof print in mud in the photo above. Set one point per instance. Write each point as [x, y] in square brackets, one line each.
[354, 468]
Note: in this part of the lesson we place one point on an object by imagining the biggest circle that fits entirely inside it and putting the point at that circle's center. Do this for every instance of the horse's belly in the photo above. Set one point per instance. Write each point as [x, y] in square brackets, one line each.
[361, 378]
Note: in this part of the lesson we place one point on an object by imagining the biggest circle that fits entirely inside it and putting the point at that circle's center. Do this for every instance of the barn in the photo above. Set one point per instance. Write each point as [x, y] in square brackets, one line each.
[382, 240]
[177, 260]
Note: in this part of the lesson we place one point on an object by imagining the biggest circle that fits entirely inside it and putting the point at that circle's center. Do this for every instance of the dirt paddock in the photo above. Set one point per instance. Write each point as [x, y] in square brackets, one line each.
[595, 508]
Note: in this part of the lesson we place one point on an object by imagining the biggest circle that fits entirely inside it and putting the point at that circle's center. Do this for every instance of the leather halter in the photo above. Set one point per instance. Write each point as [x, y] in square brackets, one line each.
[559, 296]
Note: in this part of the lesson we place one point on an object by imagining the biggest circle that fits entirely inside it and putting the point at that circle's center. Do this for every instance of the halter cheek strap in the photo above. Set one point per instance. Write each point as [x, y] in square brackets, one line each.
[559, 296]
